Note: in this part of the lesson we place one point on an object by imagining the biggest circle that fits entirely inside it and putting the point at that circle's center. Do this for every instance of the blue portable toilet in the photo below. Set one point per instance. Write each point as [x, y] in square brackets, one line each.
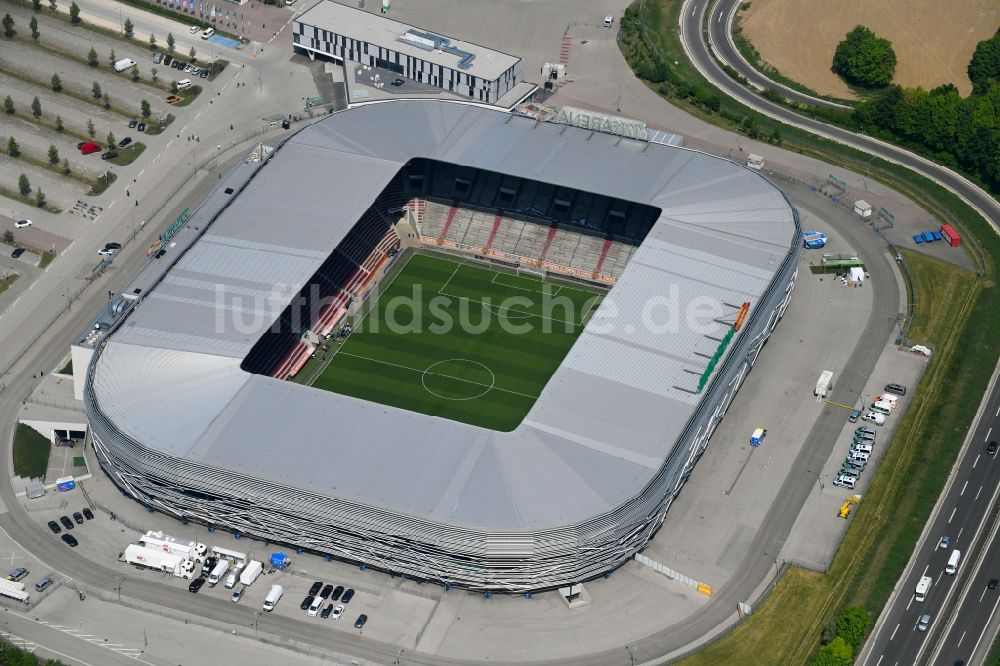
[918, 239]
[279, 560]
[758, 437]
[928, 237]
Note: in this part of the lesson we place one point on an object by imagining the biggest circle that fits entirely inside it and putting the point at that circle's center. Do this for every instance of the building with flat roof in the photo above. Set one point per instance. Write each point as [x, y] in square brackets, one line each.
[332, 30]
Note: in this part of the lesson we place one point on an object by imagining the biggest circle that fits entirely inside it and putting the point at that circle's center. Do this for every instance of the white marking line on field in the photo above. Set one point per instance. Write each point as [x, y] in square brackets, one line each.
[964, 486]
[438, 374]
[441, 290]
[952, 515]
[530, 291]
[890, 638]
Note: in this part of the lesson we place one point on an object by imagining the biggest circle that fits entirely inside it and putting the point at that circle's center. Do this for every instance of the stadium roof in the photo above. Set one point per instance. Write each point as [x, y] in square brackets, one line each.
[170, 377]
[383, 31]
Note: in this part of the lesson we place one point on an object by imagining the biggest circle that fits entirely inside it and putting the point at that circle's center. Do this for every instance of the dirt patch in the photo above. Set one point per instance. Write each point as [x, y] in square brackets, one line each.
[933, 39]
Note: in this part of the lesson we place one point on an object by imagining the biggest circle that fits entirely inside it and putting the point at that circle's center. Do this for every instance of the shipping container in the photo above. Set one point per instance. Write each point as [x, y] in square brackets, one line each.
[950, 235]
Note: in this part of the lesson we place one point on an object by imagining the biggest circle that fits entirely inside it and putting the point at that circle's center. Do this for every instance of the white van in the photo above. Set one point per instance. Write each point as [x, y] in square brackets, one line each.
[208, 33]
[272, 598]
[874, 417]
[861, 448]
[882, 408]
[888, 397]
[315, 605]
[195, 29]
[923, 585]
[183, 84]
[233, 578]
[218, 572]
[952, 566]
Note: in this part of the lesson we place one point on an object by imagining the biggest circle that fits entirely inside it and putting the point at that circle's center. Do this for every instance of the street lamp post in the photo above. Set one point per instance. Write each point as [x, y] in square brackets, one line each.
[631, 654]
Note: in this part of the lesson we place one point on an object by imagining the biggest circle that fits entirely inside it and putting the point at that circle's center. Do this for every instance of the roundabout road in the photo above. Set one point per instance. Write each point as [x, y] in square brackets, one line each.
[700, 53]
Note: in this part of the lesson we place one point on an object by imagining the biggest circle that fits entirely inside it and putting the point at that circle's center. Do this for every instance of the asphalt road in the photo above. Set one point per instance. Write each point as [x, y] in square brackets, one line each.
[964, 508]
[692, 18]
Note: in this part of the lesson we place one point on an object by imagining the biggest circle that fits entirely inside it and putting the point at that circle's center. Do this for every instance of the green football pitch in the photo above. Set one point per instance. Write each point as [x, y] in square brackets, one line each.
[460, 341]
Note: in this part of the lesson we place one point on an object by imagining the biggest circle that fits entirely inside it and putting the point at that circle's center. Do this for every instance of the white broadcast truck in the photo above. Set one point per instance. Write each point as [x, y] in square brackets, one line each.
[252, 571]
[191, 550]
[159, 560]
[14, 590]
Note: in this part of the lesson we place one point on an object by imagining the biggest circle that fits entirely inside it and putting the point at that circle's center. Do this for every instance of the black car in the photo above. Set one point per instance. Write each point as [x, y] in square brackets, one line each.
[67, 523]
[111, 246]
[314, 590]
[203, 73]
[88, 514]
[306, 603]
[18, 251]
[109, 155]
[141, 127]
[167, 59]
[124, 142]
[160, 253]
[397, 82]
[991, 448]
[70, 540]
[78, 517]
[132, 123]
[196, 585]
[347, 596]
[54, 526]
[179, 64]
[360, 622]
[337, 591]
[325, 613]
[325, 593]
[208, 565]
[993, 583]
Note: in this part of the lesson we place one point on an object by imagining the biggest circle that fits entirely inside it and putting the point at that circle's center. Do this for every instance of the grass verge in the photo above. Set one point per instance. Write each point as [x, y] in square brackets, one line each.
[128, 154]
[6, 282]
[103, 183]
[47, 257]
[12, 193]
[67, 369]
[31, 452]
[188, 96]
[52, 168]
[84, 97]
[78, 461]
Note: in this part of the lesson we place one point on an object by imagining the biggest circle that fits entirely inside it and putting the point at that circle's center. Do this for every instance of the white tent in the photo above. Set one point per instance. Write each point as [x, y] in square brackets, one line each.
[857, 274]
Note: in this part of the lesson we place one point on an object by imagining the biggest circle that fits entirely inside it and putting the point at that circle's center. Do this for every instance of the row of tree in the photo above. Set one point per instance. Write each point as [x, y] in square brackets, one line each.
[958, 132]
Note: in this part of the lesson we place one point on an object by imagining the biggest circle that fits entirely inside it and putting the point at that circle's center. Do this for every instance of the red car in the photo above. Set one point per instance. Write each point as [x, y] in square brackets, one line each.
[88, 147]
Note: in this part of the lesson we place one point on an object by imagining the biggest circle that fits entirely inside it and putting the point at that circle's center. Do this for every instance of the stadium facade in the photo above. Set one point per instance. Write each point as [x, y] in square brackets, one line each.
[190, 414]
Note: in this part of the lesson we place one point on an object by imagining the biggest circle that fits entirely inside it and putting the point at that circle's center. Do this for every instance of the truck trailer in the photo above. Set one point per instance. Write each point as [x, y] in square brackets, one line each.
[191, 550]
[158, 560]
[14, 590]
[252, 571]
[234, 556]
[824, 384]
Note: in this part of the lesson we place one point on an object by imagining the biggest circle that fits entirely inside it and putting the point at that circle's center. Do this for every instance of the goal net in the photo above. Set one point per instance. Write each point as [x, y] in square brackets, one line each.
[532, 271]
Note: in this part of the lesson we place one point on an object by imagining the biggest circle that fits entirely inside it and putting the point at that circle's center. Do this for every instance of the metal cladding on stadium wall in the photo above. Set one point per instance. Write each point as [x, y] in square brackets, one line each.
[432, 552]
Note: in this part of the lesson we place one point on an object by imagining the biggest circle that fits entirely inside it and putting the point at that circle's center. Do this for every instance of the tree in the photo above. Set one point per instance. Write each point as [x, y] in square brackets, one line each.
[984, 68]
[129, 28]
[56, 83]
[8, 104]
[53, 155]
[111, 140]
[95, 90]
[107, 101]
[8, 26]
[135, 73]
[112, 58]
[59, 124]
[13, 150]
[74, 13]
[36, 5]
[192, 53]
[864, 59]
[90, 128]
[92, 57]
[170, 42]
[8, 236]
[852, 623]
[152, 73]
[835, 653]
[40, 202]
[66, 169]
[145, 109]
[36, 107]
[173, 89]
[33, 26]
[152, 41]
[24, 185]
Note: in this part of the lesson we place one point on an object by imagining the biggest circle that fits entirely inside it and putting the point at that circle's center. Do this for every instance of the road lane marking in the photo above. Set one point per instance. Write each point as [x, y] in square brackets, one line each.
[952, 515]
[881, 657]
[140, 173]
[964, 486]
[983, 594]
[959, 643]
[890, 638]
[693, 10]
[979, 491]
[912, 597]
[925, 570]
[959, 535]
[988, 433]
[986, 626]
[938, 579]
[998, 411]
[975, 462]
[719, 20]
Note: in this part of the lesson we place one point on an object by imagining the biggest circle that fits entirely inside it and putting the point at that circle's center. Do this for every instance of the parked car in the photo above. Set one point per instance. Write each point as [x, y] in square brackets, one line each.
[325, 592]
[326, 611]
[54, 526]
[347, 596]
[21, 224]
[898, 389]
[157, 58]
[188, 68]
[43, 584]
[305, 602]
[203, 73]
[107, 246]
[208, 565]
[337, 591]
[70, 540]
[124, 142]
[66, 522]
[18, 574]
[360, 622]
[315, 588]
[87, 513]
[78, 517]
[18, 251]
[109, 155]
[337, 612]
[855, 415]
[844, 482]
[159, 253]
[88, 147]
[237, 593]
[173, 99]
[167, 59]
[105, 252]
[141, 127]
[196, 585]
[397, 82]
[132, 123]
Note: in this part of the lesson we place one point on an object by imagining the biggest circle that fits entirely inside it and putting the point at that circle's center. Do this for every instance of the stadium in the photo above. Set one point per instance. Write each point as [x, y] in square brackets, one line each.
[257, 385]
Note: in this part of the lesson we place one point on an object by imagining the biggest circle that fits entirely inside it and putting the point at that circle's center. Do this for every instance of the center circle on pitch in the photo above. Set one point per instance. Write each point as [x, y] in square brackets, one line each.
[458, 379]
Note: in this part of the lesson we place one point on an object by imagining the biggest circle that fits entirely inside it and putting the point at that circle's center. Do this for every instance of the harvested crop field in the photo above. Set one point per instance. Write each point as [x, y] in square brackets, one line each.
[933, 39]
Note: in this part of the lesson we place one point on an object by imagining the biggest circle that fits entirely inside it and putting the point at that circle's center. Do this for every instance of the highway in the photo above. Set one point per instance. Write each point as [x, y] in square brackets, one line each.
[693, 16]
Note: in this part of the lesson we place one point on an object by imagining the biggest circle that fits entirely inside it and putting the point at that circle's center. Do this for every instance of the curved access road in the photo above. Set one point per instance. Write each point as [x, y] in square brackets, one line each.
[700, 46]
